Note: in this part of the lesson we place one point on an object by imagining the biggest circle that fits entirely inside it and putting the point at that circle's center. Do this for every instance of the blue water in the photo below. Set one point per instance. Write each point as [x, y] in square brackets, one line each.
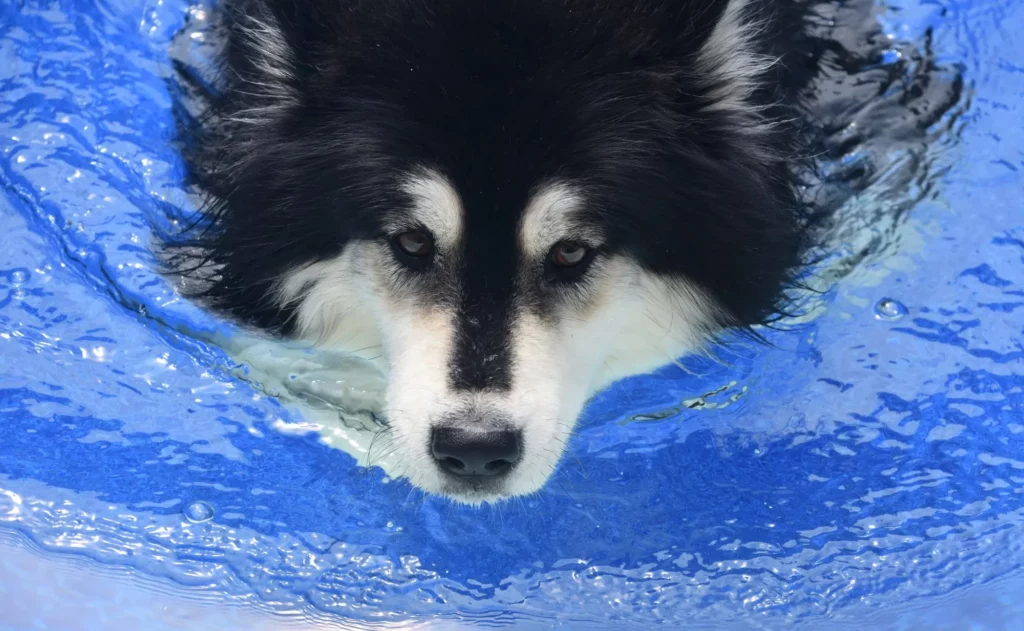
[866, 471]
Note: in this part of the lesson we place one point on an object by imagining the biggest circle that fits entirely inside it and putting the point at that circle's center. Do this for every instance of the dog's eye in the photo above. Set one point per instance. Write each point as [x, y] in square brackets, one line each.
[567, 262]
[415, 243]
[568, 254]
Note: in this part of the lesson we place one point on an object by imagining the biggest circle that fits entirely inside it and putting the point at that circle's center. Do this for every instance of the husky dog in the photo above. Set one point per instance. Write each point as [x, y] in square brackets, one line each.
[513, 202]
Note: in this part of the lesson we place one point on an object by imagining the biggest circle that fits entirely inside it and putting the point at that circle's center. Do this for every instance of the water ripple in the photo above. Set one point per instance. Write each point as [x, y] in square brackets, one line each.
[864, 472]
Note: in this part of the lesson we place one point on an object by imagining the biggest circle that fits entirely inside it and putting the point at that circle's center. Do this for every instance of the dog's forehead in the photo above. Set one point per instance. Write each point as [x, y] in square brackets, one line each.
[551, 212]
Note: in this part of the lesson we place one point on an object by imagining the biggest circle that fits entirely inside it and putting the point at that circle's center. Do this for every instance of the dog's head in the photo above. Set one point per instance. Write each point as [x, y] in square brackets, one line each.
[513, 204]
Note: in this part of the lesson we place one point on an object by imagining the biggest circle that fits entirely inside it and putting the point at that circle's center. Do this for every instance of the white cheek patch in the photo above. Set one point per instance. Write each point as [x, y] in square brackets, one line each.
[436, 205]
[657, 320]
[550, 384]
[419, 346]
[548, 219]
[348, 303]
[633, 322]
[335, 302]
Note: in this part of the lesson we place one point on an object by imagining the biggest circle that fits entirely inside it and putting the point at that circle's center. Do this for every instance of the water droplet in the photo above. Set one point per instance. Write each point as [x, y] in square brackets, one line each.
[18, 277]
[198, 512]
[889, 309]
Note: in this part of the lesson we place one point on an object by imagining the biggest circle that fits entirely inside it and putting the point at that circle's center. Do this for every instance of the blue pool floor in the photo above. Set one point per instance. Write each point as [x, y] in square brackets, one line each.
[864, 471]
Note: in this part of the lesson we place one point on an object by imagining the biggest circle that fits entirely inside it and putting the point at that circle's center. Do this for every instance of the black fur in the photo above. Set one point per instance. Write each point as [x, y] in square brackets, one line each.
[498, 96]
[501, 95]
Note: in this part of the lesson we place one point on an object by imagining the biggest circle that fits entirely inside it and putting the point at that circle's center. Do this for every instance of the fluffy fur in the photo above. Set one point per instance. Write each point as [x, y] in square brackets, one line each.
[655, 133]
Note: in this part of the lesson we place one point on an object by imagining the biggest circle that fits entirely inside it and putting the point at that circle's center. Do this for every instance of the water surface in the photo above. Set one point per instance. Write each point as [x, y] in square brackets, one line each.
[867, 471]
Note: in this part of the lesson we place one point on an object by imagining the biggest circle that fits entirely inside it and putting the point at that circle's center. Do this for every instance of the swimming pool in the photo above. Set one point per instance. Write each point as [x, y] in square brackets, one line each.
[159, 469]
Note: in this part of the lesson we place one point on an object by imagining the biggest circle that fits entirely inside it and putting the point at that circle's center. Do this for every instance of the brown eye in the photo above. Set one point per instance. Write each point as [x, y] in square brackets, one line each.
[568, 254]
[415, 243]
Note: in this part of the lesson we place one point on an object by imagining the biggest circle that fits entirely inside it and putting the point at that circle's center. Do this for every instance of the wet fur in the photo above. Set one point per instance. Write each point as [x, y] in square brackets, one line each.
[670, 135]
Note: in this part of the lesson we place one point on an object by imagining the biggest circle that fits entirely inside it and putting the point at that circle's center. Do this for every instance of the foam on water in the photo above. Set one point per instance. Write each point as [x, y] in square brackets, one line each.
[865, 471]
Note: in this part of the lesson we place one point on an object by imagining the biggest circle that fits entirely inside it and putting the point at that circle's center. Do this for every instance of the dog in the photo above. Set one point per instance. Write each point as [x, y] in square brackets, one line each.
[511, 203]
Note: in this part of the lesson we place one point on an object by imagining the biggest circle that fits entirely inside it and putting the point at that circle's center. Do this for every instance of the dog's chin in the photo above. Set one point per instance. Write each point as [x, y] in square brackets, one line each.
[467, 491]
[475, 492]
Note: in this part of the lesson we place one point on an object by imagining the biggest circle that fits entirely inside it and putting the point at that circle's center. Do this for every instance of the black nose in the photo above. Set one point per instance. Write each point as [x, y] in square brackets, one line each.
[473, 453]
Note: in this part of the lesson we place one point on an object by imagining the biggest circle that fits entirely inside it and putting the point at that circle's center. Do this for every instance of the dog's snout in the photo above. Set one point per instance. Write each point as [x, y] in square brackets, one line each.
[475, 453]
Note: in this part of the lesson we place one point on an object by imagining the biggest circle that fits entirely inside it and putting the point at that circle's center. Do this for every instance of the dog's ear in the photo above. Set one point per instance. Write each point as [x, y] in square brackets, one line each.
[728, 59]
[711, 41]
[262, 59]
[703, 17]
[712, 50]
[685, 27]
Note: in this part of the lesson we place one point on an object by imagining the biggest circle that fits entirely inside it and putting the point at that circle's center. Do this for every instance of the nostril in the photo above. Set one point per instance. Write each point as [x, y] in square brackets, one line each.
[475, 453]
[452, 463]
[497, 467]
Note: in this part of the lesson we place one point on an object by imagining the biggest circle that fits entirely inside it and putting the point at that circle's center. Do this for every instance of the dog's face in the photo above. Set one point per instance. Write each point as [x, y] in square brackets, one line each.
[495, 338]
[513, 205]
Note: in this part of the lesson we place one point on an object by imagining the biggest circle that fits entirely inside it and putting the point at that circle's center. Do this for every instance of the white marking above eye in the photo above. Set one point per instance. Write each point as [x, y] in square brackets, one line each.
[436, 206]
[549, 217]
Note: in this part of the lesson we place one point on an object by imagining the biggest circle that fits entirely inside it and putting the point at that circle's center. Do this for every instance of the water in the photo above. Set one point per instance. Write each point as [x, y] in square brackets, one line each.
[890, 309]
[866, 471]
[198, 512]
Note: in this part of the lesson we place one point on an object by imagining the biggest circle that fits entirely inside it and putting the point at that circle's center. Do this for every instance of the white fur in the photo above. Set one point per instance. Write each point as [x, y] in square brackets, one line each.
[418, 343]
[274, 61]
[333, 299]
[634, 323]
[351, 303]
[661, 319]
[548, 219]
[729, 58]
[436, 205]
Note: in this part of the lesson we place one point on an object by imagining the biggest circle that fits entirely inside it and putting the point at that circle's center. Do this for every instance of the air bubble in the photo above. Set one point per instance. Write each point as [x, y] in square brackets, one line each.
[198, 512]
[18, 277]
[889, 309]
